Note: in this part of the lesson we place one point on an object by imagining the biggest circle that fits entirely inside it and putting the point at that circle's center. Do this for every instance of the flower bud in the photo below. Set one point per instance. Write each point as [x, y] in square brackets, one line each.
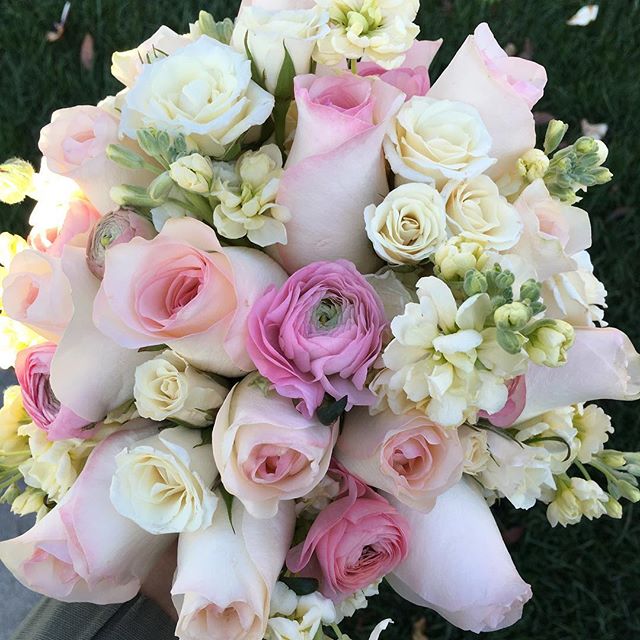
[628, 491]
[530, 290]
[457, 257]
[512, 317]
[614, 508]
[193, 173]
[16, 177]
[555, 133]
[613, 459]
[510, 341]
[161, 187]
[475, 282]
[117, 227]
[549, 342]
[128, 195]
[533, 165]
[30, 501]
[125, 157]
[504, 280]
[586, 145]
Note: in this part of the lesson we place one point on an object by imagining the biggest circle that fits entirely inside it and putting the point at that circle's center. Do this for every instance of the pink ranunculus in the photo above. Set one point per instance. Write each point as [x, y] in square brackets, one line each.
[36, 292]
[33, 370]
[512, 410]
[356, 540]
[408, 456]
[51, 236]
[336, 168]
[458, 564]
[84, 550]
[413, 77]
[266, 451]
[183, 289]
[601, 365]
[74, 144]
[318, 334]
[501, 88]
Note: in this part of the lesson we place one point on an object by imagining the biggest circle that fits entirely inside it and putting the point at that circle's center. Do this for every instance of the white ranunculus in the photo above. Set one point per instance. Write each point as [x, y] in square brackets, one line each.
[168, 387]
[477, 212]
[203, 91]
[409, 225]
[268, 33]
[438, 140]
[163, 482]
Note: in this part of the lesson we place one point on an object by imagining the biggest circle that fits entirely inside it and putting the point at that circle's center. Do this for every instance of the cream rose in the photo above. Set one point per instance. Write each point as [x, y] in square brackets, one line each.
[478, 213]
[409, 225]
[203, 91]
[163, 482]
[438, 140]
[169, 387]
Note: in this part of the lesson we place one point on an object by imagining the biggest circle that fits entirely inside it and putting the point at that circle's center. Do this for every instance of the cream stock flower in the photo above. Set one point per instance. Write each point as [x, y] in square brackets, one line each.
[457, 256]
[548, 344]
[379, 30]
[593, 427]
[408, 226]
[163, 482]
[437, 140]
[193, 173]
[575, 498]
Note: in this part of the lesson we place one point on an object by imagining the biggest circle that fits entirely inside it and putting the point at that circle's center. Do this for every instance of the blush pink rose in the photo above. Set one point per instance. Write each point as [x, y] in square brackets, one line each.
[501, 88]
[74, 144]
[318, 334]
[353, 542]
[84, 550]
[183, 289]
[266, 451]
[407, 456]
[336, 168]
[512, 410]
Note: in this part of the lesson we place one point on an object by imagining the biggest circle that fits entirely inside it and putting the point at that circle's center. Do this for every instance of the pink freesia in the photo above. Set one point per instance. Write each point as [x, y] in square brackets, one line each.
[511, 411]
[36, 292]
[336, 168]
[33, 370]
[74, 145]
[407, 456]
[356, 540]
[84, 550]
[319, 333]
[458, 564]
[162, 291]
[501, 88]
[601, 365]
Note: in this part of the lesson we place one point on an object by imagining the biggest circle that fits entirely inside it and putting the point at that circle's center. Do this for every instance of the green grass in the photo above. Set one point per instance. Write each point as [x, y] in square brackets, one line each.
[586, 579]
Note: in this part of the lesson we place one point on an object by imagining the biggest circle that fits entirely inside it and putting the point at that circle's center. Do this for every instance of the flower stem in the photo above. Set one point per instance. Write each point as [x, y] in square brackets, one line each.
[353, 65]
[583, 470]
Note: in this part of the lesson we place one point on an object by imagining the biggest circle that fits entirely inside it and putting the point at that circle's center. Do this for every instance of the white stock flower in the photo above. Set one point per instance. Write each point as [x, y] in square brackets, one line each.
[318, 498]
[378, 30]
[193, 173]
[431, 363]
[437, 140]
[283, 600]
[457, 256]
[356, 601]
[163, 482]
[268, 33]
[575, 498]
[593, 427]
[203, 91]
[476, 450]
[409, 225]
[294, 618]
[517, 471]
[168, 387]
[247, 196]
[477, 212]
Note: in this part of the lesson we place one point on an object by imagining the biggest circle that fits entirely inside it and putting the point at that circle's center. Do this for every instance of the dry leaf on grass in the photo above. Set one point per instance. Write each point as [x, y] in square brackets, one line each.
[87, 52]
[58, 27]
[584, 16]
[419, 631]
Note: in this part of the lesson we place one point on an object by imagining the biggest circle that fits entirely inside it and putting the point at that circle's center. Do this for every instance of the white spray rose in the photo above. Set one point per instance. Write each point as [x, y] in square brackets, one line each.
[268, 33]
[438, 140]
[168, 387]
[203, 91]
[477, 212]
[163, 482]
[409, 225]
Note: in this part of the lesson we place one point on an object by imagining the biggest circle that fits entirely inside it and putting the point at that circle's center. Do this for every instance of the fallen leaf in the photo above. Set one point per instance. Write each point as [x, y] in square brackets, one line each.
[584, 16]
[87, 52]
[419, 631]
[594, 130]
[58, 27]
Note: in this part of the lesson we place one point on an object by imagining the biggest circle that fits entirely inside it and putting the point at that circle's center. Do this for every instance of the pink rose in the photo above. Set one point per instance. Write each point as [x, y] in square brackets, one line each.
[266, 451]
[33, 370]
[601, 365]
[501, 88]
[37, 293]
[183, 289]
[73, 229]
[318, 334]
[458, 564]
[407, 456]
[356, 540]
[84, 550]
[74, 144]
[336, 168]
[512, 410]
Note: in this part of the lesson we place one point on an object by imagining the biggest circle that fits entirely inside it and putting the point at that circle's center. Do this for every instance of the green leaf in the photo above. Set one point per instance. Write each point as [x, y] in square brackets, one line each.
[228, 501]
[256, 76]
[330, 410]
[284, 85]
[153, 347]
[280, 111]
[207, 438]
[301, 586]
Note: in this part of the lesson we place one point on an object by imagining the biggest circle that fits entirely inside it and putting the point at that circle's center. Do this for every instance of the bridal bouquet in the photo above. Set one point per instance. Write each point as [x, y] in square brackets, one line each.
[289, 301]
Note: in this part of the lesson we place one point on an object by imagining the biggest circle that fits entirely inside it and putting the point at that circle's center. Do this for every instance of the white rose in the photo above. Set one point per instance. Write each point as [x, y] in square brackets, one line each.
[409, 225]
[477, 212]
[169, 387]
[438, 140]
[268, 33]
[163, 482]
[203, 91]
